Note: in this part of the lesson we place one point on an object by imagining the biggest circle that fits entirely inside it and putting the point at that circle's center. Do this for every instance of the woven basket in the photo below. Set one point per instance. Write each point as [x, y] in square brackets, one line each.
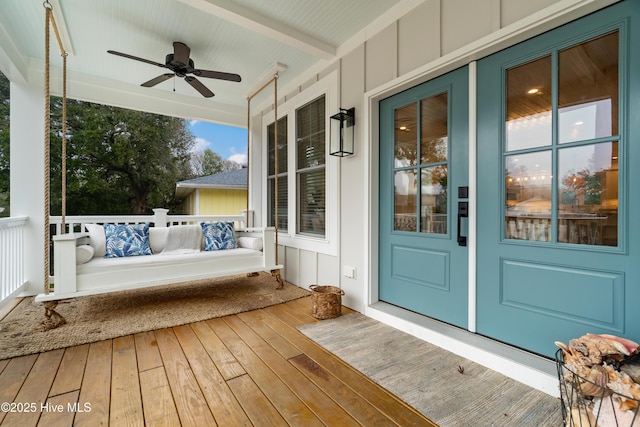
[326, 300]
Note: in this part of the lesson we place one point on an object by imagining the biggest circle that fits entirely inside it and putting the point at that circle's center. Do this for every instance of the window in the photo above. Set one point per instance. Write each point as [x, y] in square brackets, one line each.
[308, 177]
[282, 194]
[310, 167]
[562, 146]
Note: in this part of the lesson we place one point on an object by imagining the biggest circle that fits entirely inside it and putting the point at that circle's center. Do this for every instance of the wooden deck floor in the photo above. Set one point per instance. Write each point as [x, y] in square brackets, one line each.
[253, 368]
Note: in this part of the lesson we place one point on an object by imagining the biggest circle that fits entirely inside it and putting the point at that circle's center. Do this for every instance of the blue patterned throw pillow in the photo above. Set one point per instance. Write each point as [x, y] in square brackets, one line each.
[218, 235]
[127, 240]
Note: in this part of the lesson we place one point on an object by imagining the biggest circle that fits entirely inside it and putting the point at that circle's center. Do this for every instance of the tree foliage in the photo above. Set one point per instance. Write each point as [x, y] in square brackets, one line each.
[4, 143]
[208, 162]
[118, 160]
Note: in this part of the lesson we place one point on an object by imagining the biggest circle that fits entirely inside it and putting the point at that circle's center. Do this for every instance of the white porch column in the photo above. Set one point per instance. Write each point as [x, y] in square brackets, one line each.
[27, 175]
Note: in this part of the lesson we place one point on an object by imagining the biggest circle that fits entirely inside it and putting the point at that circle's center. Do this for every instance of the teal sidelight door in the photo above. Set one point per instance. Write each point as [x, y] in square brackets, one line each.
[423, 183]
[558, 235]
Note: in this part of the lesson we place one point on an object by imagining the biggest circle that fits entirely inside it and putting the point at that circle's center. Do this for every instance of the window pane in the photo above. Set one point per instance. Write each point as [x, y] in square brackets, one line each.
[312, 202]
[405, 184]
[588, 90]
[310, 153]
[434, 129]
[528, 121]
[406, 136]
[282, 203]
[433, 195]
[310, 130]
[282, 174]
[528, 196]
[282, 146]
[588, 194]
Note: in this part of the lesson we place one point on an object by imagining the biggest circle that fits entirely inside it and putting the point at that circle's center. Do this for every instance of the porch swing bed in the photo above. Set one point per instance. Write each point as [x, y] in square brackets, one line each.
[165, 254]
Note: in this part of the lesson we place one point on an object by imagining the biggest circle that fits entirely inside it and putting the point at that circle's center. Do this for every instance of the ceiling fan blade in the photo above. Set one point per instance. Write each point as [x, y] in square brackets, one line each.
[124, 55]
[157, 80]
[181, 53]
[197, 85]
[217, 75]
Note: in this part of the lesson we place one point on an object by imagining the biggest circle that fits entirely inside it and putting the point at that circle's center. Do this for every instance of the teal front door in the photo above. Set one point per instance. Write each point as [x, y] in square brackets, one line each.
[558, 149]
[423, 198]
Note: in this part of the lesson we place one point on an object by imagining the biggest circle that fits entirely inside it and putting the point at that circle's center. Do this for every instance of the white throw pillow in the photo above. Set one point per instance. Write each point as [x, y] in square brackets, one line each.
[254, 243]
[158, 238]
[84, 253]
[97, 239]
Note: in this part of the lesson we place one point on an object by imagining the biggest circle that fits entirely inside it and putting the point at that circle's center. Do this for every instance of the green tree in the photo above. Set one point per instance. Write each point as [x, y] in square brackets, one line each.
[208, 162]
[4, 144]
[118, 160]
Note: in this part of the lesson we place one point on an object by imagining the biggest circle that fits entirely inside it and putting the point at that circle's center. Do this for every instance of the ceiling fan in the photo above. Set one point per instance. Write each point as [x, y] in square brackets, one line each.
[182, 66]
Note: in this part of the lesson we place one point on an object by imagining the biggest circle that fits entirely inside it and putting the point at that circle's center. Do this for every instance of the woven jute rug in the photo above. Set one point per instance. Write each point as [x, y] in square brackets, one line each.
[98, 317]
[448, 389]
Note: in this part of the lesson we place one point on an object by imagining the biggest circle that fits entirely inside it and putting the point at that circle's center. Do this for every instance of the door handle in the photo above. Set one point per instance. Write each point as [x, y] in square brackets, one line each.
[463, 212]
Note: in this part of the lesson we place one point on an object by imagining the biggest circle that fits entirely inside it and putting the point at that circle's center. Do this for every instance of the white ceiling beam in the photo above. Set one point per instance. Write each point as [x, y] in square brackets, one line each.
[268, 27]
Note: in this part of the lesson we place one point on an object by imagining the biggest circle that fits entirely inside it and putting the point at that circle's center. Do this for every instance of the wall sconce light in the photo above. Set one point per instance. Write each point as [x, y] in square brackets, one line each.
[342, 133]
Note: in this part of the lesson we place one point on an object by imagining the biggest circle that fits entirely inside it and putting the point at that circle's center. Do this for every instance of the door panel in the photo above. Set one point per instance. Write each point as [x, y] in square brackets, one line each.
[423, 161]
[556, 253]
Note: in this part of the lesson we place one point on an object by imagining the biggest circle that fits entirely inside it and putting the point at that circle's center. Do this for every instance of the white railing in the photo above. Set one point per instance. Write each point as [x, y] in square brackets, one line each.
[160, 218]
[11, 257]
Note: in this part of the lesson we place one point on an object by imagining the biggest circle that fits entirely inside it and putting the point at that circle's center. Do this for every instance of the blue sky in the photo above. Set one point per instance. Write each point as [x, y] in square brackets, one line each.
[230, 142]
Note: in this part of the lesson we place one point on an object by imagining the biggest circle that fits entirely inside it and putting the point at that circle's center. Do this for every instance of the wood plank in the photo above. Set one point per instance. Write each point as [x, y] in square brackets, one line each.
[296, 318]
[382, 399]
[352, 402]
[96, 385]
[126, 402]
[13, 377]
[257, 406]
[3, 364]
[35, 389]
[325, 408]
[157, 401]
[219, 353]
[222, 403]
[147, 351]
[255, 320]
[70, 373]
[63, 408]
[190, 403]
[292, 409]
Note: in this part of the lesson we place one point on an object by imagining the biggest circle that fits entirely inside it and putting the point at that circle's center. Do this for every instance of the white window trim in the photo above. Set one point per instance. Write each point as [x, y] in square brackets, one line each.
[327, 86]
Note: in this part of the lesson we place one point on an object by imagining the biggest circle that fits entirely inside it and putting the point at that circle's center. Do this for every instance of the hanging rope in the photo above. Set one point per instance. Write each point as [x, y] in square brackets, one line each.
[274, 80]
[47, 124]
[52, 318]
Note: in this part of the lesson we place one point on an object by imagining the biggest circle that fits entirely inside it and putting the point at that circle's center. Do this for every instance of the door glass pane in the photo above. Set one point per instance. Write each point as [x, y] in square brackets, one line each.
[433, 195]
[528, 115]
[528, 196]
[588, 194]
[405, 186]
[434, 129]
[588, 90]
[406, 136]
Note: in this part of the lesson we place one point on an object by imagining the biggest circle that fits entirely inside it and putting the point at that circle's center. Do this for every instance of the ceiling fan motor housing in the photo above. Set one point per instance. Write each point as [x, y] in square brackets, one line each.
[179, 68]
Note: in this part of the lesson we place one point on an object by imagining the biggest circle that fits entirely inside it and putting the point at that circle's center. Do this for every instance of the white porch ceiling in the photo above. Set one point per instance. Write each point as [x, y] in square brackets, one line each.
[247, 37]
